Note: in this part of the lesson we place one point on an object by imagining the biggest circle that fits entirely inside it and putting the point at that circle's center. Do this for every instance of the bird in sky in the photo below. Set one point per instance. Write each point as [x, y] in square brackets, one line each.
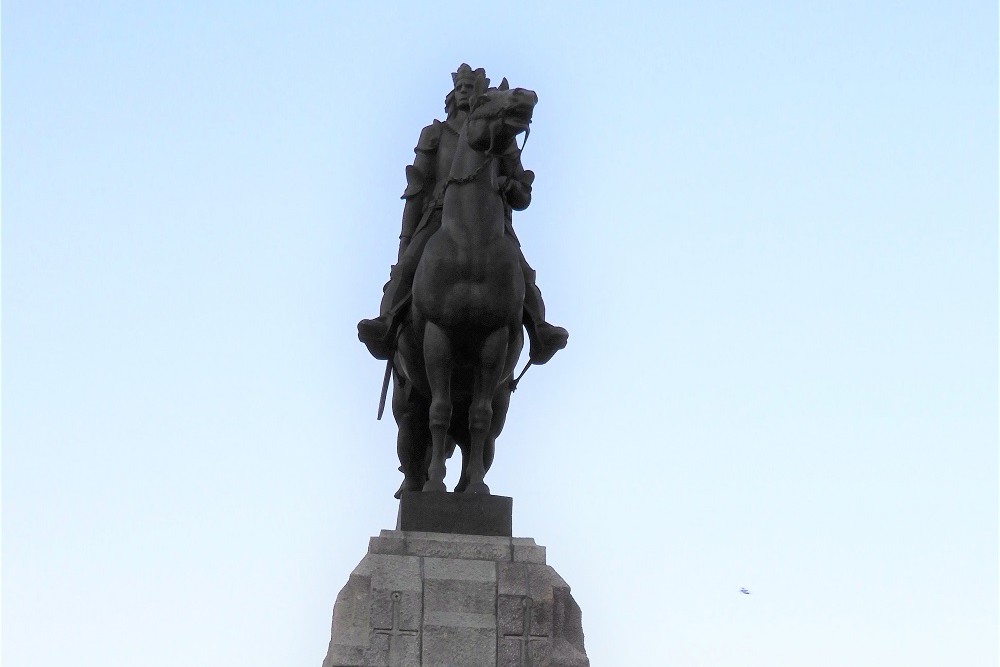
[744, 591]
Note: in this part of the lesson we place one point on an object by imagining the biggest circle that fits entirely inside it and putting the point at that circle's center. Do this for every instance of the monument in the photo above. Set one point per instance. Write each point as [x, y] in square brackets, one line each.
[451, 586]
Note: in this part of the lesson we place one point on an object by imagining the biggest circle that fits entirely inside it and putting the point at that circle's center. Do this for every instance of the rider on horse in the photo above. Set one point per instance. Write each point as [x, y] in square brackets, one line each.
[426, 180]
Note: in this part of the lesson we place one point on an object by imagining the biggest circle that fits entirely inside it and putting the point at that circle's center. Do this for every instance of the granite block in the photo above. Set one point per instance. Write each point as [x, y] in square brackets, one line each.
[388, 544]
[510, 649]
[392, 651]
[524, 616]
[474, 597]
[450, 600]
[442, 545]
[464, 570]
[401, 610]
[528, 579]
[459, 647]
[461, 550]
[351, 613]
[340, 655]
[456, 619]
[528, 553]
[395, 573]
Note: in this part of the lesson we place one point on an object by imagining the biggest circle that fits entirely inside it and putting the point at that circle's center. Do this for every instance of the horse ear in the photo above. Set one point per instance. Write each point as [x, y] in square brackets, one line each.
[504, 85]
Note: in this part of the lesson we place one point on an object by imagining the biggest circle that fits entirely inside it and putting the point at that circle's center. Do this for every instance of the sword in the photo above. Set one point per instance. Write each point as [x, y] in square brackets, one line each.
[385, 388]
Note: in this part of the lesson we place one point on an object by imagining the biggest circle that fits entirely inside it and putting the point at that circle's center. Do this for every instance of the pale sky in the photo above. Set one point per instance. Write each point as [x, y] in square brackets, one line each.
[770, 228]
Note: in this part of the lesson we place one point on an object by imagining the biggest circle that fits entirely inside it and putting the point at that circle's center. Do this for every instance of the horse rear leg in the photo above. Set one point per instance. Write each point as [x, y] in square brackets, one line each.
[438, 360]
[413, 439]
[487, 377]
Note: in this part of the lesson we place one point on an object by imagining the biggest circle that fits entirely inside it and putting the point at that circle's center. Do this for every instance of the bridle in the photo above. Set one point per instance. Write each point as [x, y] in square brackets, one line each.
[468, 178]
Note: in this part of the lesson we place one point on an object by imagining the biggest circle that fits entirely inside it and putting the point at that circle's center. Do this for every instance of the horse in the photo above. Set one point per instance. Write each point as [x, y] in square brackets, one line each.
[457, 348]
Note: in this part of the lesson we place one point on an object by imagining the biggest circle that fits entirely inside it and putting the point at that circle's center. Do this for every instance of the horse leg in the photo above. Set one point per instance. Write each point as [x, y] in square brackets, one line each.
[409, 464]
[438, 362]
[413, 438]
[501, 402]
[487, 377]
[410, 447]
[489, 447]
[463, 480]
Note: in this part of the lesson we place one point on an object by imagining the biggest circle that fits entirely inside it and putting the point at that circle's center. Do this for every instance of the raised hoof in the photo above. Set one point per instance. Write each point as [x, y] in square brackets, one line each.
[478, 487]
[435, 487]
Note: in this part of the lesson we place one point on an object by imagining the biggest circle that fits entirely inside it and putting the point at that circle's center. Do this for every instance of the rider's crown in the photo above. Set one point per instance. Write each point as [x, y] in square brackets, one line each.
[477, 77]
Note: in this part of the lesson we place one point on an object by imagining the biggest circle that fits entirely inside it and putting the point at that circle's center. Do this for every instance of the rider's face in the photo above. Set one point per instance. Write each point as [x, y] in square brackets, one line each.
[463, 94]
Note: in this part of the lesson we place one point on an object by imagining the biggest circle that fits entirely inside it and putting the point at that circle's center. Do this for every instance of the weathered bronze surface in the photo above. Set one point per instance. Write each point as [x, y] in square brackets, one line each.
[453, 312]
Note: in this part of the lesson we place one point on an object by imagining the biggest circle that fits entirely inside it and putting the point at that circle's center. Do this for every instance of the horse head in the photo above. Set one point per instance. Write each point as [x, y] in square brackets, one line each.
[498, 116]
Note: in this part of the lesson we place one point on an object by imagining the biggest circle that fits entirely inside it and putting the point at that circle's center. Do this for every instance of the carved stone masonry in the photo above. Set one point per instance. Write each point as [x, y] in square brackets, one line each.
[396, 654]
[441, 600]
[527, 656]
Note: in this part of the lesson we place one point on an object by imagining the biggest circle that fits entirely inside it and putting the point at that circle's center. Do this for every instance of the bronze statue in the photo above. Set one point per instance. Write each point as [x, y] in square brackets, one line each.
[453, 310]
[426, 180]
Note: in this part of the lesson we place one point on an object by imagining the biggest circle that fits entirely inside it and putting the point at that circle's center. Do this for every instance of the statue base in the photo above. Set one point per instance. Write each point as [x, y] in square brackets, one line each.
[430, 599]
[462, 513]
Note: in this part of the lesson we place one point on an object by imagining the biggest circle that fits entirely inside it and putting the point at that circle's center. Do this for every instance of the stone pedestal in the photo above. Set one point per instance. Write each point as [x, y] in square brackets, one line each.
[462, 513]
[423, 599]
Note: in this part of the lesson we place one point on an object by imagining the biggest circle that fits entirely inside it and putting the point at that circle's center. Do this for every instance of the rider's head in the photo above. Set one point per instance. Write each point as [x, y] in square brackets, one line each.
[469, 84]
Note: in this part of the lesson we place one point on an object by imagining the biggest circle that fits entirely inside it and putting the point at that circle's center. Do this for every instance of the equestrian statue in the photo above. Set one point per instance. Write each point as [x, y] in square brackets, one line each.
[461, 293]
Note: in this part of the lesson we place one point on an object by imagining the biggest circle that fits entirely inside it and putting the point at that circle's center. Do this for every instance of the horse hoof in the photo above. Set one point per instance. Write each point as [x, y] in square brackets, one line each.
[478, 487]
[436, 487]
[407, 485]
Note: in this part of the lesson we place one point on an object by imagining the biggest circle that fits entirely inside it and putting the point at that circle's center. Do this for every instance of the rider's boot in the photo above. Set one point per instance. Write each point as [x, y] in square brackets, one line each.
[545, 339]
[377, 334]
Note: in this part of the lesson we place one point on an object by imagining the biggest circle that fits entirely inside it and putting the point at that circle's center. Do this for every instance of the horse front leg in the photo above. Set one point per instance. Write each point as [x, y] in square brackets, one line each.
[438, 360]
[487, 377]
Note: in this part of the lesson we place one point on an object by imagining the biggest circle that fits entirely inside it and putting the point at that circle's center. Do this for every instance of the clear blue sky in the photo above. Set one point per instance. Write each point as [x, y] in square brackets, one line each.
[771, 229]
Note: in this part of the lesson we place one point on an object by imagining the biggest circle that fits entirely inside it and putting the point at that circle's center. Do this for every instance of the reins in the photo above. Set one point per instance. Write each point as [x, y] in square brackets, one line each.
[461, 180]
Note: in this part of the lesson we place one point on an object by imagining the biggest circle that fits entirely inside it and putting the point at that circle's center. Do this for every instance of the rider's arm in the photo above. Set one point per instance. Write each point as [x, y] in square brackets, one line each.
[419, 181]
[416, 187]
[515, 181]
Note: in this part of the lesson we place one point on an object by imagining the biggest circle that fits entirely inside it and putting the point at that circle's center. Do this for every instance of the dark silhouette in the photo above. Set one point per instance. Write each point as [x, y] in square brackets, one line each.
[454, 308]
